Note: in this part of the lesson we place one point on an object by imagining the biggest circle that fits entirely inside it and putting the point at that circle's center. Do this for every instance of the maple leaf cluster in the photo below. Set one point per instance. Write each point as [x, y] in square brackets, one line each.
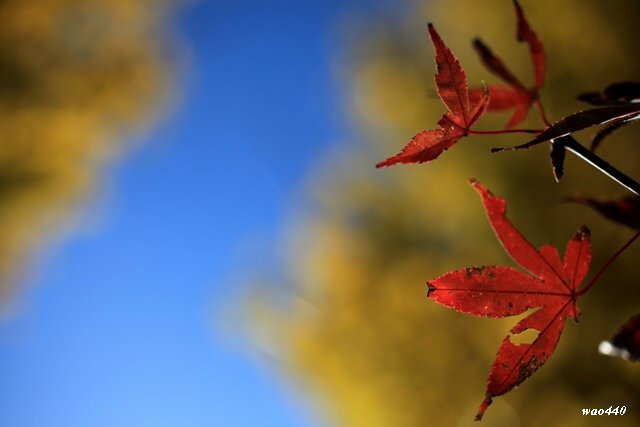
[548, 284]
[451, 81]
[465, 106]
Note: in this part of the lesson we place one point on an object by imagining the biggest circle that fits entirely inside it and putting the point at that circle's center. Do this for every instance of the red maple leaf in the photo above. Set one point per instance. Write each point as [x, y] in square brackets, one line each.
[515, 95]
[451, 82]
[550, 284]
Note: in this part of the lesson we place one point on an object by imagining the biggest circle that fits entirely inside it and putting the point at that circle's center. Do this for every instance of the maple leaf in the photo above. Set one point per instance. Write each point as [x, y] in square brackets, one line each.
[516, 96]
[624, 211]
[558, 153]
[549, 284]
[451, 83]
[605, 132]
[582, 120]
[614, 94]
[625, 343]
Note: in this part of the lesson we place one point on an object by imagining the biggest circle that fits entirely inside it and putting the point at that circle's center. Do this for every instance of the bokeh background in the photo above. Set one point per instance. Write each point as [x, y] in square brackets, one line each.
[192, 231]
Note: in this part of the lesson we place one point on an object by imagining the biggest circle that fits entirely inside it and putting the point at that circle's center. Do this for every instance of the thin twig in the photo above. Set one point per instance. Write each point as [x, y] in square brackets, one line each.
[606, 265]
[499, 132]
[538, 104]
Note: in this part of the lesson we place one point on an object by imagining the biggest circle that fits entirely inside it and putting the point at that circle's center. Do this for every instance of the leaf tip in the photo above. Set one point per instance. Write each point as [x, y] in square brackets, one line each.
[520, 16]
[430, 289]
[480, 47]
[388, 162]
[582, 234]
[483, 408]
[481, 189]
[432, 32]
[431, 29]
[489, 200]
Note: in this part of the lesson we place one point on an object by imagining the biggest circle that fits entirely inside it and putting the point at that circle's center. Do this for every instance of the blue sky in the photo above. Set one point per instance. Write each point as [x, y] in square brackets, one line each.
[116, 328]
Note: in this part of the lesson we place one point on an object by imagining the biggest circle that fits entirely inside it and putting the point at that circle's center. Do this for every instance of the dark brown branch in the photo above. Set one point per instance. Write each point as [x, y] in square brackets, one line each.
[603, 166]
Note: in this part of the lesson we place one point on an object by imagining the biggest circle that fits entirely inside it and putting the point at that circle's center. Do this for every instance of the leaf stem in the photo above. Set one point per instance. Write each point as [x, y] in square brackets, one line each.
[597, 162]
[606, 265]
[538, 104]
[499, 132]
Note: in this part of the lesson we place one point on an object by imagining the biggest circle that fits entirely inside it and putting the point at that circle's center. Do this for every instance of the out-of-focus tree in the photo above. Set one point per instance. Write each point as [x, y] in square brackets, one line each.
[358, 330]
[76, 77]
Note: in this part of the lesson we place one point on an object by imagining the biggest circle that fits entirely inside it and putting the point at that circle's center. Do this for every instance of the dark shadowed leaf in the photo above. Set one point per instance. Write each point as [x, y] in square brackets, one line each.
[558, 153]
[583, 120]
[626, 342]
[624, 211]
[605, 132]
[615, 93]
[548, 283]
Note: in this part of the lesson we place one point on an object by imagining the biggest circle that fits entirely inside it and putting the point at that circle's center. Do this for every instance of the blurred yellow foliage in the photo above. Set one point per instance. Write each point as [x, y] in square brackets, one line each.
[75, 78]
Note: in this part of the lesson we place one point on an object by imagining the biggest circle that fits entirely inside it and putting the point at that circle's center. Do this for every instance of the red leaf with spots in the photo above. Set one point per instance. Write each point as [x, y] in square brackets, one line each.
[451, 82]
[516, 96]
[547, 283]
